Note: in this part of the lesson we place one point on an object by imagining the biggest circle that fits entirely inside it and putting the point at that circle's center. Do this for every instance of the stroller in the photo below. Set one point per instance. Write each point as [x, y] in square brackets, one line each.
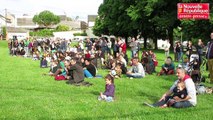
[195, 70]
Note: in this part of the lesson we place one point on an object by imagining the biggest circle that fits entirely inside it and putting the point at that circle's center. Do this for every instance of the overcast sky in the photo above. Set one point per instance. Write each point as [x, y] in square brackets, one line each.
[71, 8]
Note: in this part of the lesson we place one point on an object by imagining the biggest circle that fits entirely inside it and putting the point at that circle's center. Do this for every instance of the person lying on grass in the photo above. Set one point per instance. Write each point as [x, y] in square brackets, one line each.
[188, 101]
[108, 95]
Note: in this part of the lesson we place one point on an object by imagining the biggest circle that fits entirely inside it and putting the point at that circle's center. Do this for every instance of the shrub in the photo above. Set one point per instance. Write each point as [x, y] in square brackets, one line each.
[80, 34]
[42, 33]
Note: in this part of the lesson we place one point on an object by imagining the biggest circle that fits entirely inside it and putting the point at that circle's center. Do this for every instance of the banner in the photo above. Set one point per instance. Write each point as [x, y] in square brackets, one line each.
[193, 10]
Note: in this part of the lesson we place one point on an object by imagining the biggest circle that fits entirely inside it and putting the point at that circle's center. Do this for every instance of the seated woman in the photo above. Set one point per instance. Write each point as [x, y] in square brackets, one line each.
[168, 67]
[148, 63]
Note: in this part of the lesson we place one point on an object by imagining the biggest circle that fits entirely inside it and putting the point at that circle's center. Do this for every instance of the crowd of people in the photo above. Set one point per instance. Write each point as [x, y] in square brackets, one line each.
[86, 57]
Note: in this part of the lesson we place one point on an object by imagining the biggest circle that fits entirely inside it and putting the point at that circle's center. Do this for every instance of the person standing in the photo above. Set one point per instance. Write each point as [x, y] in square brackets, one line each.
[88, 44]
[200, 47]
[209, 55]
[189, 49]
[134, 47]
[26, 44]
[166, 48]
[179, 52]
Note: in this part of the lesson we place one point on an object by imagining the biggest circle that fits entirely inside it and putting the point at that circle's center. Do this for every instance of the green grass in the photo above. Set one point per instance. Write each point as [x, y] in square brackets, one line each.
[26, 94]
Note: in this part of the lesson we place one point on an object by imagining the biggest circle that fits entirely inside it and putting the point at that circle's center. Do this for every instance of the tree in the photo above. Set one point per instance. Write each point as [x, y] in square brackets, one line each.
[46, 18]
[156, 19]
[114, 21]
[62, 28]
[198, 29]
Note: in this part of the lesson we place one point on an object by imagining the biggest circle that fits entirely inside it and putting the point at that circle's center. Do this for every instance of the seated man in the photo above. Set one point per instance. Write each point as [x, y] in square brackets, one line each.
[89, 69]
[137, 70]
[75, 72]
[168, 68]
[179, 102]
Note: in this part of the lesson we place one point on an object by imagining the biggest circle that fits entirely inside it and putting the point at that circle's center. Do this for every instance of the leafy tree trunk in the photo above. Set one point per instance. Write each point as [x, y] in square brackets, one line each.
[145, 41]
[155, 39]
[170, 35]
[126, 40]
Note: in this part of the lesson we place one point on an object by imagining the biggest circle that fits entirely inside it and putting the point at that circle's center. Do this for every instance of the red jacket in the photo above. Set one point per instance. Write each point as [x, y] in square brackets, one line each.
[123, 47]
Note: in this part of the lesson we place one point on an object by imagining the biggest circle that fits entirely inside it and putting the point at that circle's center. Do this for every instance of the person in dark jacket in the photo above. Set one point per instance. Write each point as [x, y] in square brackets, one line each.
[75, 72]
[108, 95]
[43, 62]
[89, 69]
[88, 44]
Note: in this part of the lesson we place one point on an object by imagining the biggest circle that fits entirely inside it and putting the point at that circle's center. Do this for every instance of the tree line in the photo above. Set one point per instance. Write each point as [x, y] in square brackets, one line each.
[155, 19]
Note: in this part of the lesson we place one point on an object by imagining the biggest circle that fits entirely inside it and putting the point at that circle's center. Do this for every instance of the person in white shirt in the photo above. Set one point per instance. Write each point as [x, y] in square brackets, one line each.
[191, 98]
[81, 44]
[137, 70]
[166, 48]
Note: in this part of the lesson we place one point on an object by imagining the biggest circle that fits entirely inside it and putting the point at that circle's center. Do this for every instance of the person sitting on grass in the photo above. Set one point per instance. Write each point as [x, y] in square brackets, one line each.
[179, 91]
[89, 69]
[189, 101]
[116, 73]
[75, 72]
[61, 68]
[108, 95]
[43, 62]
[168, 67]
[137, 70]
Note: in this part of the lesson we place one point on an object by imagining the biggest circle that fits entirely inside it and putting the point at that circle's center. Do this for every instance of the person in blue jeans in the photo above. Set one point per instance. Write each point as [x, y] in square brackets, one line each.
[89, 68]
[189, 101]
[179, 91]
[137, 70]
[108, 95]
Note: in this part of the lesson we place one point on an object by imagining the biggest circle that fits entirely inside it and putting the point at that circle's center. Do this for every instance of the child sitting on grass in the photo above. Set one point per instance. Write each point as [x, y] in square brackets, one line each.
[179, 91]
[108, 95]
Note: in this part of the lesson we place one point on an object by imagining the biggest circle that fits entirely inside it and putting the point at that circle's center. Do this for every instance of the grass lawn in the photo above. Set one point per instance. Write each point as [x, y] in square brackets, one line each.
[26, 94]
